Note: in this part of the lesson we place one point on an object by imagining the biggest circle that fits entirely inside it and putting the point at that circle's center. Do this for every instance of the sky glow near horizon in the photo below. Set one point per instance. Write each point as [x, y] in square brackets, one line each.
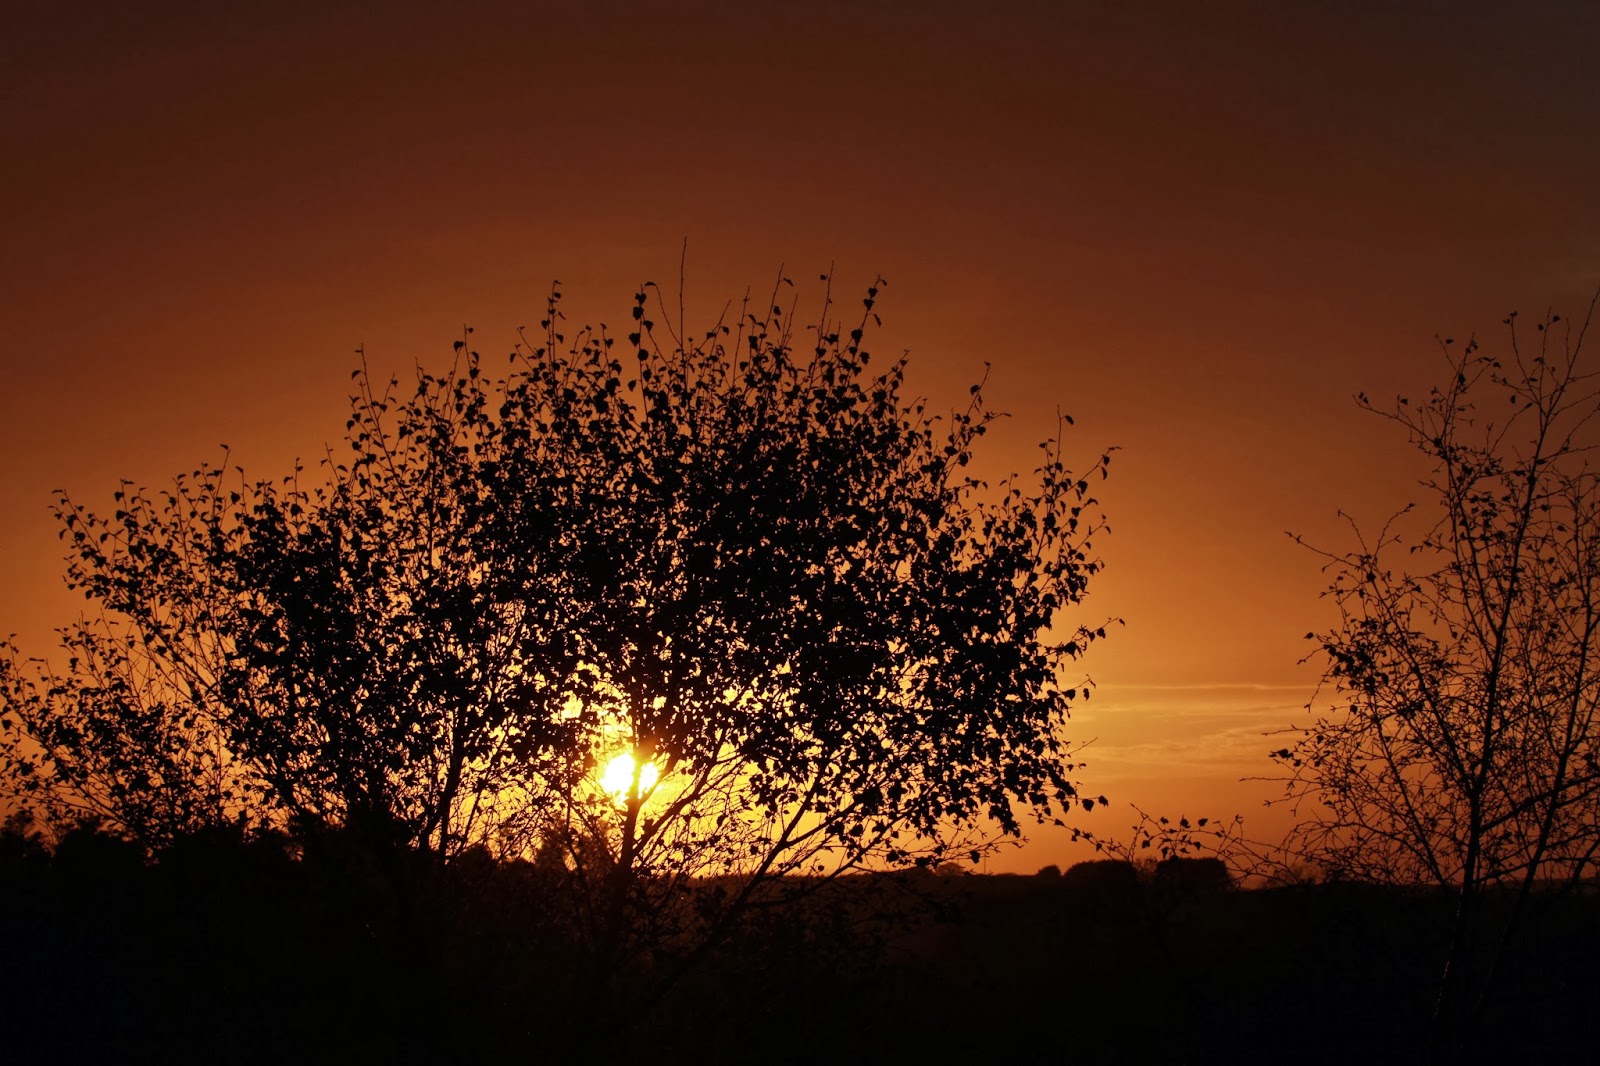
[1198, 232]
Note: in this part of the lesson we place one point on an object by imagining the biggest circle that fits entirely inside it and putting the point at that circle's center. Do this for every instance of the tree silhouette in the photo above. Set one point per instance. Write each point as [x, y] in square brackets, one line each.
[740, 558]
[1464, 665]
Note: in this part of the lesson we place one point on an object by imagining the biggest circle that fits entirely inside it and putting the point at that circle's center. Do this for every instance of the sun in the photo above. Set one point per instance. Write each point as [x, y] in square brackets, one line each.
[618, 777]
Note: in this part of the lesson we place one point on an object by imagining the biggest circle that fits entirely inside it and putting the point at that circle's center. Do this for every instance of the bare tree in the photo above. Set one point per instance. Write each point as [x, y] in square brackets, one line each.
[1464, 670]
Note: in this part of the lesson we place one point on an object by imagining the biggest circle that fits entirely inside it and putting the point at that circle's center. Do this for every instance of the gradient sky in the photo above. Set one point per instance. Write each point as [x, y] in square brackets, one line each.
[1197, 228]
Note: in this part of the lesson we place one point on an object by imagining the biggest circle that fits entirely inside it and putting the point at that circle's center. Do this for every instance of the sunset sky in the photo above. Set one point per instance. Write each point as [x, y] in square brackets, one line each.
[1199, 229]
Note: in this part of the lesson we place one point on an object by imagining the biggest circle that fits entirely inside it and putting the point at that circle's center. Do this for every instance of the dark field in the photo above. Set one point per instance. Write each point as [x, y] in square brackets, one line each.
[238, 954]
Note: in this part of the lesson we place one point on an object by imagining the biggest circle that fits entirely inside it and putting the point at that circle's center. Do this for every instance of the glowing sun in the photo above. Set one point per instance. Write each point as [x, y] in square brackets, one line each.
[618, 777]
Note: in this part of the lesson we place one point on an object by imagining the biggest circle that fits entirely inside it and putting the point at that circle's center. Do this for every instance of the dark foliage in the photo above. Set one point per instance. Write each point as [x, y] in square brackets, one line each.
[233, 950]
[743, 564]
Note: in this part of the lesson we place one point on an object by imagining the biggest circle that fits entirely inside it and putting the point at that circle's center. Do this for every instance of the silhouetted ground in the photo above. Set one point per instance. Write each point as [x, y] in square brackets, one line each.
[236, 953]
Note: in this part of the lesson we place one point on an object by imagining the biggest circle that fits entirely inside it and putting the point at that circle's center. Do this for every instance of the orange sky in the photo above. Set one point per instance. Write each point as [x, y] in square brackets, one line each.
[1199, 229]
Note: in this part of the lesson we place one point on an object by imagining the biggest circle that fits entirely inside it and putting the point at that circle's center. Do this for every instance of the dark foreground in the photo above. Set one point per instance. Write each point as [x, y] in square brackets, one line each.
[239, 955]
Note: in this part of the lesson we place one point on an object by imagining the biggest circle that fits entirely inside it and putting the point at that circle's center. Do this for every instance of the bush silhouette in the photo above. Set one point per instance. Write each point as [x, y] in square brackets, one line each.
[1190, 875]
[1102, 875]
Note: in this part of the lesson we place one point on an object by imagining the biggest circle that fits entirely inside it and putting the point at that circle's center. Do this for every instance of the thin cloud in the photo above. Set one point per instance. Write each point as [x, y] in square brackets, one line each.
[1203, 686]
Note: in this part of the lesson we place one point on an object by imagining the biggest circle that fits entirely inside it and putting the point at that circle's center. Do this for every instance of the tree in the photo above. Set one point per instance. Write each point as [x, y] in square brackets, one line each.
[1465, 664]
[723, 609]
[273, 654]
